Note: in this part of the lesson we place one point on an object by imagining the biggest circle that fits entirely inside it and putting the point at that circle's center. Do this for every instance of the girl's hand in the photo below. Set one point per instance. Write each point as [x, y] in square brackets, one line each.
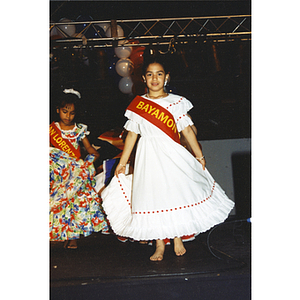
[90, 149]
[120, 169]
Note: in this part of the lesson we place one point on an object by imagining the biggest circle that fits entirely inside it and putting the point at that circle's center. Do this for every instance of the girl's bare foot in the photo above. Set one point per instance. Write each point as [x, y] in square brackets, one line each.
[143, 242]
[178, 247]
[70, 244]
[159, 252]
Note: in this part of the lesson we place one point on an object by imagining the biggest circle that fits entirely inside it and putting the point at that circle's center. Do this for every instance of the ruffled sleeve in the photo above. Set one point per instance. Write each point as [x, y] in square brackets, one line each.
[180, 112]
[133, 122]
[82, 131]
[131, 125]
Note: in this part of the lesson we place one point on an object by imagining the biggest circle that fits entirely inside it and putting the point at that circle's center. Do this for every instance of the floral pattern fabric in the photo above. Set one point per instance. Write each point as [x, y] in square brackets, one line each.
[75, 207]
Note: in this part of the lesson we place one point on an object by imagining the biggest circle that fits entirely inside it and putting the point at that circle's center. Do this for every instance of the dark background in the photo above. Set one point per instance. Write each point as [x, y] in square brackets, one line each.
[221, 96]
[107, 10]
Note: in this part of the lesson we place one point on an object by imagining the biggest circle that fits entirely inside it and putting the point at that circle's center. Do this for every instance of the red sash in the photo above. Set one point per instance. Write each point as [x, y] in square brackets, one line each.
[155, 114]
[62, 144]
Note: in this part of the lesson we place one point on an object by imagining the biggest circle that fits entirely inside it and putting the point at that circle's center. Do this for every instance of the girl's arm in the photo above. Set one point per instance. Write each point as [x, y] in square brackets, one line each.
[89, 148]
[129, 144]
[190, 136]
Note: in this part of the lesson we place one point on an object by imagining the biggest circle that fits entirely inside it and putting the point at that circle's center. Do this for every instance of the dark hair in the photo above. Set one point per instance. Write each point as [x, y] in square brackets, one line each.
[154, 59]
[65, 99]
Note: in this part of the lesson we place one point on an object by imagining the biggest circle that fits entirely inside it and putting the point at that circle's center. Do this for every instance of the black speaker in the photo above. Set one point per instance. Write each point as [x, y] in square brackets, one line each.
[241, 169]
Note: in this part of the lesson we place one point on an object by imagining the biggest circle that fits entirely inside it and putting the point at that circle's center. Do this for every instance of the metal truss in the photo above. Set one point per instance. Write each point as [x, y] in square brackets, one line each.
[159, 31]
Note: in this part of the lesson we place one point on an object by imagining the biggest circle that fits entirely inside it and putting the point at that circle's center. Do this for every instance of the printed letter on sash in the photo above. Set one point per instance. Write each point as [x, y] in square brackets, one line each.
[157, 115]
[62, 144]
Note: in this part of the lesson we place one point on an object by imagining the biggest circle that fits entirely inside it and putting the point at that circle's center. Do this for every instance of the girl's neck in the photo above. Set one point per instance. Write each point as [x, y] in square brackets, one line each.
[66, 127]
[157, 95]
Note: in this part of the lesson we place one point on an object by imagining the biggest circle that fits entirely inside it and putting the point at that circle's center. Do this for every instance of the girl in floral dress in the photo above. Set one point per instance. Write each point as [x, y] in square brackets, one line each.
[74, 204]
[171, 193]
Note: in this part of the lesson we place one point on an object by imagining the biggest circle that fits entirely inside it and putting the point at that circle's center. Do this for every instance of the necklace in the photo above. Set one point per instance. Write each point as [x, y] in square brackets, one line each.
[157, 97]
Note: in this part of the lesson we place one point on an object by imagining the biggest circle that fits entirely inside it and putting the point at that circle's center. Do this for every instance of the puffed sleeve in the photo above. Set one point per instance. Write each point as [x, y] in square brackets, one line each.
[180, 113]
[83, 132]
[130, 125]
[133, 122]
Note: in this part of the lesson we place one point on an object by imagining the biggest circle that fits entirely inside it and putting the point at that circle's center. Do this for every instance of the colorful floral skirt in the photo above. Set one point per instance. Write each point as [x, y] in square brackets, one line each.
[75, 207]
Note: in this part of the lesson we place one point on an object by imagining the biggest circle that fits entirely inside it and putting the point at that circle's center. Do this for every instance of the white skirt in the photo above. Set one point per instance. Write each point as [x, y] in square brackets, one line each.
[169, 195]
[208, 207]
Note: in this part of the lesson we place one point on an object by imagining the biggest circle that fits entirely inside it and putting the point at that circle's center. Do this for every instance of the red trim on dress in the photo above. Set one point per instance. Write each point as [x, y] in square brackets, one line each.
[175, 208]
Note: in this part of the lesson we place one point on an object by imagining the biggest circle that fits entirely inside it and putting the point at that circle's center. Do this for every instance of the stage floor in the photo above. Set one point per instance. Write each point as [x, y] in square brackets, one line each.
[217, 262]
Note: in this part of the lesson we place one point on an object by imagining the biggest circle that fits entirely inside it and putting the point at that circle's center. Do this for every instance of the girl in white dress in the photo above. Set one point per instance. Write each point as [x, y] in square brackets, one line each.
[171, 193]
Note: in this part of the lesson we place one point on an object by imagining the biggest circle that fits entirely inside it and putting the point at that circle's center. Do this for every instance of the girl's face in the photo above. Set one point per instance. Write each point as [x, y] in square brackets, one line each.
[155, 78]
[66, 114]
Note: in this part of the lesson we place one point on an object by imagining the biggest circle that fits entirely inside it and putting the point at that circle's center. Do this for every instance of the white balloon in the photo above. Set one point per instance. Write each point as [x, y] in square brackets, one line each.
[69, 29]
[124, 67]
[123, 52]
[120, 31]
[104, 26]
[125, 85]
[54, 31]
[100, 30]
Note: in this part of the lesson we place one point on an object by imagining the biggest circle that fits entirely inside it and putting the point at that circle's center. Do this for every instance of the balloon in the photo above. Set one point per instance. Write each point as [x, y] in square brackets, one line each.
[94, 30]
[68, 29]
[125, 85]
[123, 52]
[100, 32]
[55, 33]
[112, 61]
[124, 67]
[81, 27]
[104, 26]
[120, 31]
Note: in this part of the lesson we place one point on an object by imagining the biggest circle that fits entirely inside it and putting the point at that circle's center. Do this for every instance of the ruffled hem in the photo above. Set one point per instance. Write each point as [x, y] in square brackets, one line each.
[66, 232]
[118, 192]
[195, 219]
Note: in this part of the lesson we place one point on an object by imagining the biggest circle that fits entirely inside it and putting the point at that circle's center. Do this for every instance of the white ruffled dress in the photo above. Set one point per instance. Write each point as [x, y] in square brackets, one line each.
[169, 195]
